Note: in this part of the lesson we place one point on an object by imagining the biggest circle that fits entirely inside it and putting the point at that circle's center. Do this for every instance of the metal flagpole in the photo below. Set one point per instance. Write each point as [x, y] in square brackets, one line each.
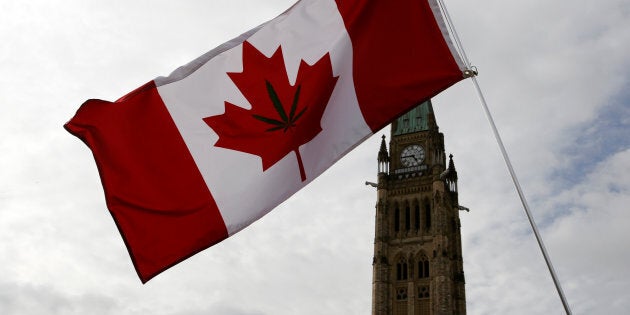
[472, 73]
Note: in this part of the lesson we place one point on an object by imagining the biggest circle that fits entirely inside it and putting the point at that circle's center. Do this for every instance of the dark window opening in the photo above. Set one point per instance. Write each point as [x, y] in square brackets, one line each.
[427, 215]
[397, 219]
[416, 214]
[405, 276]
[407, 219]
[401, 271]
[423, 268]
[423, 292]
[401, 294]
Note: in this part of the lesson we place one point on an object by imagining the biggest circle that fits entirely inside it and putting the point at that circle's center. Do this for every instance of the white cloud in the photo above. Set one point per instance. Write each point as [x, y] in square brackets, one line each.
[554, 74]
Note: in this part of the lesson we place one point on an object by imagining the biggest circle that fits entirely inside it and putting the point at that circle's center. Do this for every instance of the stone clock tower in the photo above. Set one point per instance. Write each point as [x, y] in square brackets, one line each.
[417, 266]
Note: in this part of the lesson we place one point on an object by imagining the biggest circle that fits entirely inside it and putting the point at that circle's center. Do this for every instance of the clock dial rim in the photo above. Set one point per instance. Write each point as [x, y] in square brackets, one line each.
[412, 155]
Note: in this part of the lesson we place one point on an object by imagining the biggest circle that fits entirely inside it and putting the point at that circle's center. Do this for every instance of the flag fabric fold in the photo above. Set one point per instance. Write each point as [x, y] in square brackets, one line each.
[190, 159]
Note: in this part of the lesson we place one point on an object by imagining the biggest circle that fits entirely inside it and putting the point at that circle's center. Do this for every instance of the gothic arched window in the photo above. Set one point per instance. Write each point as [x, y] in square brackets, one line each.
[423, 267]
[401, 270]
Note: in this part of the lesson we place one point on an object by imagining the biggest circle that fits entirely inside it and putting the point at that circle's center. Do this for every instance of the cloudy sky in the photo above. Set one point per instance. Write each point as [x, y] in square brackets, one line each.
[555, 74]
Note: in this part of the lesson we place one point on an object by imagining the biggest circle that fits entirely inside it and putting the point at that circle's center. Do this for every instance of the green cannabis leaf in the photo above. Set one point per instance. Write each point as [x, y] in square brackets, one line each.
[287, 122]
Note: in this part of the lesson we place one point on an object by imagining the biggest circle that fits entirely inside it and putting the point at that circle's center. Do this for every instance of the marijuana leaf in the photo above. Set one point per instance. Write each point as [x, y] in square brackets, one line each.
[287, 122]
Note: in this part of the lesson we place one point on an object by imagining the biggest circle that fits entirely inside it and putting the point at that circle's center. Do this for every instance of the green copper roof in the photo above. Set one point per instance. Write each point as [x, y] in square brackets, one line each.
[415, 120]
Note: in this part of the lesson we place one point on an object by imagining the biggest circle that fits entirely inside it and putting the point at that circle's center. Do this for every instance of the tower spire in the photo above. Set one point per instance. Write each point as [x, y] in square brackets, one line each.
[383, 157]
[449, 176]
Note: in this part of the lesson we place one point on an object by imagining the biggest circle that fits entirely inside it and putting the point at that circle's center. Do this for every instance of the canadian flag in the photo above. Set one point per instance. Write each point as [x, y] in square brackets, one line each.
[190, 159]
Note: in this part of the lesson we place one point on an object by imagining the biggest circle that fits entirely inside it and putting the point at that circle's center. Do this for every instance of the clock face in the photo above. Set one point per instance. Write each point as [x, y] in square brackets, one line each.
[412, 155]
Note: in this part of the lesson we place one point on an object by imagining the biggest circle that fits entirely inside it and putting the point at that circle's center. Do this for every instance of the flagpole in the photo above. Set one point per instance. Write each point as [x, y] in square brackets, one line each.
[472, 73]
[522, 197]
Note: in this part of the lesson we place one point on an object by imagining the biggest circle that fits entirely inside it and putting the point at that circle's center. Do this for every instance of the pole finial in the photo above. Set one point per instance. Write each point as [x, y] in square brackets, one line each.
[469, 73]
